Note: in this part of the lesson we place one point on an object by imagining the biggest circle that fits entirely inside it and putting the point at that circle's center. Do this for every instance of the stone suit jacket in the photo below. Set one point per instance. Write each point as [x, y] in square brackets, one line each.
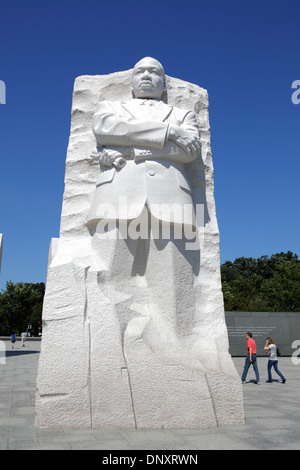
[154, 174]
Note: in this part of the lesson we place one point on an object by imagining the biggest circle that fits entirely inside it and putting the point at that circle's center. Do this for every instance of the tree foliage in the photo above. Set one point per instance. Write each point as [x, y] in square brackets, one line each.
[21, 304]
[266, 284]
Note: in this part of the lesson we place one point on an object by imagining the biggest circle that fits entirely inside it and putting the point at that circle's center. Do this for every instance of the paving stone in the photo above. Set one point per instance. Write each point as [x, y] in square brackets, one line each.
[272, 417]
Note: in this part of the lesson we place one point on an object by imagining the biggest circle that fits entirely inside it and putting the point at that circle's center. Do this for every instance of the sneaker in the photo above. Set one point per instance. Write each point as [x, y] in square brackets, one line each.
[269, 381]
[283, 382]
[257, 383]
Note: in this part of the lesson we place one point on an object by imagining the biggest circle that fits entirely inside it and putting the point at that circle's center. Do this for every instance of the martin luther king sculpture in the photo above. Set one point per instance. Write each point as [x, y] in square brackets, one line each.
[134, 333]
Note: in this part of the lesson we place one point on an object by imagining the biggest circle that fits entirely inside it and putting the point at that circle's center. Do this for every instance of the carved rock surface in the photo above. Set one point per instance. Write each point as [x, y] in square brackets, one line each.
[108, 358]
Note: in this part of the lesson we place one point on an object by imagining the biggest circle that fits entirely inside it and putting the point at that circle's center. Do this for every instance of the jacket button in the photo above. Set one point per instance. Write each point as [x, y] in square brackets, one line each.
[151, 172]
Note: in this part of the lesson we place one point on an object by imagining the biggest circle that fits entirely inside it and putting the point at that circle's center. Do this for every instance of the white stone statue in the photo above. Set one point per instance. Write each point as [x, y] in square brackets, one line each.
[134, 333]
[146, 144]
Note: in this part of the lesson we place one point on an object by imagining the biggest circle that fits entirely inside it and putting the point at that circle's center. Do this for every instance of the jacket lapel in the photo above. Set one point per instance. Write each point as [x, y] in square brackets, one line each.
[161, 112]
[133, 107]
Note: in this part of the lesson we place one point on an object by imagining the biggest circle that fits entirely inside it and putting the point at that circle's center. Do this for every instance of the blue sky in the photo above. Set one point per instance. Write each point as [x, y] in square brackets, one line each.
[245, 53]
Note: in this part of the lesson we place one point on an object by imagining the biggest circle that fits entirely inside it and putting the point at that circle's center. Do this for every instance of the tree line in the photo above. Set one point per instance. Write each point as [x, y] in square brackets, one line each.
[21, 306]
[265, 284]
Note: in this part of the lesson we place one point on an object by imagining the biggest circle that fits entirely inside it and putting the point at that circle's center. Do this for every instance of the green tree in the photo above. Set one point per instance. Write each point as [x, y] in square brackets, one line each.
[262, 284]
[283, 289]
[21, 304]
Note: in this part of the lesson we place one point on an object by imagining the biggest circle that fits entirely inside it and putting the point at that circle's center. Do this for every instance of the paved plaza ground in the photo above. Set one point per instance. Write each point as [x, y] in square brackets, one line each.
[272, 415]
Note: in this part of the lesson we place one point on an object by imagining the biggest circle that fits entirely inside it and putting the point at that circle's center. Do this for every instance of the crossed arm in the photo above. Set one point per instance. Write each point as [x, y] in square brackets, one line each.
[118, 136]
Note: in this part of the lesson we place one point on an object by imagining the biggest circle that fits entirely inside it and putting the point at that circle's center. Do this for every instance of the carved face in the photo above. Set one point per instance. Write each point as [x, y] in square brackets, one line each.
[148, 79]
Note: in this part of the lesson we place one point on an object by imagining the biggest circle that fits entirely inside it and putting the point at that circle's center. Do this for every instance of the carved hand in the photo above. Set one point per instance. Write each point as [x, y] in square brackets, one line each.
[188, 142]
[110, 157]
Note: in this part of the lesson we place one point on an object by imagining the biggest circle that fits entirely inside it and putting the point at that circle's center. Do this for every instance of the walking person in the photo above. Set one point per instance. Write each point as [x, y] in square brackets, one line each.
[250, 359]
[273, 360]
[13, 339]
[23, 339]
